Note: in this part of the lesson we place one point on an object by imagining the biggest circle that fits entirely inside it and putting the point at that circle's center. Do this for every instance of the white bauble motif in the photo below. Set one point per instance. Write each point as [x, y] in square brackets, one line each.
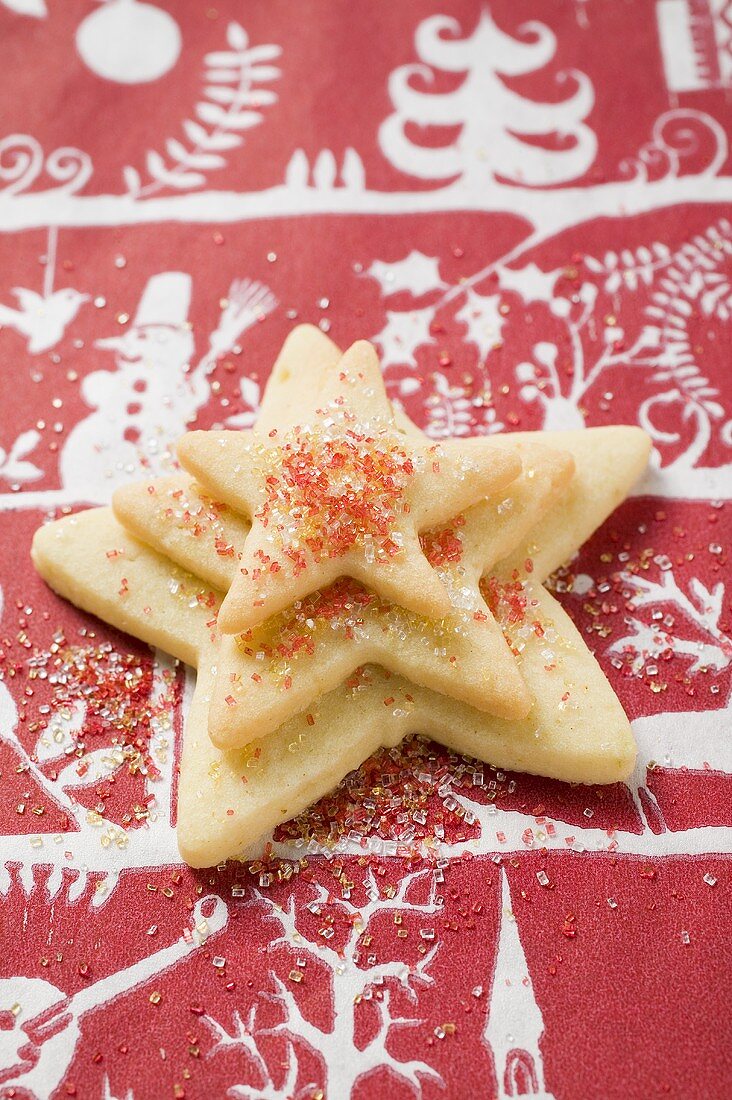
[129, 42]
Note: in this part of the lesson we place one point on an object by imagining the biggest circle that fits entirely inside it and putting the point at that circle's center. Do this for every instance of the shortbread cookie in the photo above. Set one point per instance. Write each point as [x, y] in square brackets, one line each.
[279, 669]
[343, 493]
[576, 731]
[91, 560]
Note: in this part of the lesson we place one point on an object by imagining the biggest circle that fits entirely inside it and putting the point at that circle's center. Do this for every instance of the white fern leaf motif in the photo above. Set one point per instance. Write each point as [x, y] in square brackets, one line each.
[404, 332]
[629, 268]
[483, 321]
[452, 412]
[231, 104]
[13, 464]
[417, 273]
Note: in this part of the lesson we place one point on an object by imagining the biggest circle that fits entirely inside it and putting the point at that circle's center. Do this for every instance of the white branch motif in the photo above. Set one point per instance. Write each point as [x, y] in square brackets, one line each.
[230, 105]
[352, 983]
[701, 608]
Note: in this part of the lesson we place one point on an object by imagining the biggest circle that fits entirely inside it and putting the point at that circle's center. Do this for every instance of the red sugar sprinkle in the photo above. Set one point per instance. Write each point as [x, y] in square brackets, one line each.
[440, 547]
[330, 493]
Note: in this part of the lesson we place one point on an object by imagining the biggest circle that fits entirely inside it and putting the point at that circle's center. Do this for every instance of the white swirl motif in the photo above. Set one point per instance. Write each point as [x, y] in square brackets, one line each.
[677, 136]
[23, 162]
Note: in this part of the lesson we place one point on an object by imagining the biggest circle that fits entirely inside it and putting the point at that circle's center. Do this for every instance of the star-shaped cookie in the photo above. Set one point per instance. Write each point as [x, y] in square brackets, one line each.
[342, 492]
[278, 669]
[576, 729]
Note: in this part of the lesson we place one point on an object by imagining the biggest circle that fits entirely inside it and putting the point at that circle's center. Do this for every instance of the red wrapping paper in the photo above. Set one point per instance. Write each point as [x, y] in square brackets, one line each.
[525, 208]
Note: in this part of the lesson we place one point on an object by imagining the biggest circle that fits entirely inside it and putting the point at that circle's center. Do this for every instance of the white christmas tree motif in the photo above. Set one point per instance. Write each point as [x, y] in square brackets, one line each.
[700, 607]
[515, 1025]
[416, 273]
[496, 124]
[483, 321]
[355, 976]
[231, 104]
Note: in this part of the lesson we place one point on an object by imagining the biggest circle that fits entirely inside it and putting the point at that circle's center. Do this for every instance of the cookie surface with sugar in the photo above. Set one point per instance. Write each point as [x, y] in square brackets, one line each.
[575, 730]
[341, 493]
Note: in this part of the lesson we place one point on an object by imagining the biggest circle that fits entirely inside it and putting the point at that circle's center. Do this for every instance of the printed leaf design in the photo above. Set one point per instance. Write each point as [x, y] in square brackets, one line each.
[230, 104]
[416, 273]
[451, 412]
[12, 464]
[483, 320]
[530, 282]
[403, 333]
[629, 268]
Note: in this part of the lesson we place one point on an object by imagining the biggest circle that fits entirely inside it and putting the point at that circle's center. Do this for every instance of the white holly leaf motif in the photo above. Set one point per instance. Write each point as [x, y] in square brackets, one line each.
[483, 320]
[533, 284]
[416, 273]
[403, 333]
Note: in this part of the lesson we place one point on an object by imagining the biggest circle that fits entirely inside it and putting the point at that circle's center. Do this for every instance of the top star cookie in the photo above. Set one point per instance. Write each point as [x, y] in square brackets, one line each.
[340, 492]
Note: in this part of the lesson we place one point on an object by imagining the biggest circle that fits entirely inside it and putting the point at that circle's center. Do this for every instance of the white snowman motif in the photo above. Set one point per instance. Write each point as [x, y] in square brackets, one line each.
[142, 405]
[39, 1024]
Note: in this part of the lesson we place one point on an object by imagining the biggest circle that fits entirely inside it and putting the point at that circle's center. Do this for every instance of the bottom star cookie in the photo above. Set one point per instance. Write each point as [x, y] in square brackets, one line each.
[576, 730]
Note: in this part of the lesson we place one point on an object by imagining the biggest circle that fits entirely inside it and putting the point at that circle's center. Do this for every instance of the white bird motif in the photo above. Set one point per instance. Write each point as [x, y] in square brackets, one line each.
[42, 320]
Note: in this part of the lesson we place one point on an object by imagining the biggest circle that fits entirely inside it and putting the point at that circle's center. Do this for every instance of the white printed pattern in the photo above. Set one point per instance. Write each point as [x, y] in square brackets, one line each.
[550, 212]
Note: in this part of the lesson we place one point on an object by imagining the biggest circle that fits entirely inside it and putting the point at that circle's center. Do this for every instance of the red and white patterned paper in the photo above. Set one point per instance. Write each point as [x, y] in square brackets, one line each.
[525, 206]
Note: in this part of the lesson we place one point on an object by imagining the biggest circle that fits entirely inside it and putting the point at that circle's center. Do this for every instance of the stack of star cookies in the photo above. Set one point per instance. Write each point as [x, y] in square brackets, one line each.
[341, 581]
